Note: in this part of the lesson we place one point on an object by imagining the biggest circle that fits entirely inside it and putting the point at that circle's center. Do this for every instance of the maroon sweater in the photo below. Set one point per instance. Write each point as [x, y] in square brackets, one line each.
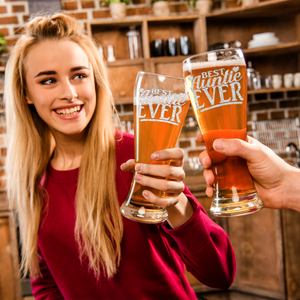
[153, 256]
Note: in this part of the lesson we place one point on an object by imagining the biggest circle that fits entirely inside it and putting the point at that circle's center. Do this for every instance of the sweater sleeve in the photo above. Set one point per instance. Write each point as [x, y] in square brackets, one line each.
[205, 247]
[44, 287]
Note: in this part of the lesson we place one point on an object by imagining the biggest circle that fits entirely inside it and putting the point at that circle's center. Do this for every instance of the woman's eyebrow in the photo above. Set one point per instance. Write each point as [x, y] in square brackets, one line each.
[45, 73]
[79, 68]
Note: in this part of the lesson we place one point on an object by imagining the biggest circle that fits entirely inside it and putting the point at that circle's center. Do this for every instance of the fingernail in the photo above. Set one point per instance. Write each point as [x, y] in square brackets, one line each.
[145, 194]
[138, 177]
[138, 168]
[219, 144]
[121, 167]
[154, 156]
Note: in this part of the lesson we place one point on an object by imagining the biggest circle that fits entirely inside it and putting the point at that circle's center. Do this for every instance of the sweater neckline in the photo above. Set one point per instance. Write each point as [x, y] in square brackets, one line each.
[63, 175]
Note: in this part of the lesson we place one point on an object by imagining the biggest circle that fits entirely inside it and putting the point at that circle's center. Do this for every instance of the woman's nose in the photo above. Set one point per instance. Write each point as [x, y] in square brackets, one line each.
[67, 92]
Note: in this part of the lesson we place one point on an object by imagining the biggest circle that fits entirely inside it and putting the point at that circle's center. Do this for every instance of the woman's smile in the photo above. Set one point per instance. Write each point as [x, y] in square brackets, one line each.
[70, 111]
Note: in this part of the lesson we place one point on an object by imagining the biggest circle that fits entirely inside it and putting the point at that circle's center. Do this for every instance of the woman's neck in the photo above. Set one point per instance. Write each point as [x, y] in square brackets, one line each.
[68, 152]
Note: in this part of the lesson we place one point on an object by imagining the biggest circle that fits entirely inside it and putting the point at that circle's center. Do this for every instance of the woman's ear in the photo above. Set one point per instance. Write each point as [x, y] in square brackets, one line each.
[28, 100]
[26, 96]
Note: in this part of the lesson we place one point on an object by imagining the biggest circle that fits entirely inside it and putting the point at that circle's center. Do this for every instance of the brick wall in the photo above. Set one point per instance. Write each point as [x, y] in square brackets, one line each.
[14, 13]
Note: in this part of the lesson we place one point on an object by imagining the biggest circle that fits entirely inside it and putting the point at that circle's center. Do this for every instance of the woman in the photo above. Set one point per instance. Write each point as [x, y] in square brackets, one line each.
[64, 179]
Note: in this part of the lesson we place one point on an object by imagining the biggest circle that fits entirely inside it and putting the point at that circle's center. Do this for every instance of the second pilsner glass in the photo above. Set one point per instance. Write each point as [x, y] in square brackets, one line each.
[216, 82]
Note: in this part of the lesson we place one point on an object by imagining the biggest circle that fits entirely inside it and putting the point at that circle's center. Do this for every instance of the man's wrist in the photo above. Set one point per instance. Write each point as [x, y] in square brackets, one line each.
[293, 195]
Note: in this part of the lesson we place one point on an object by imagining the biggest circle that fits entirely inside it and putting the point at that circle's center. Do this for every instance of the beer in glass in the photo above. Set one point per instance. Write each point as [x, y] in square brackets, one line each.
[216, 82]
[160, 108]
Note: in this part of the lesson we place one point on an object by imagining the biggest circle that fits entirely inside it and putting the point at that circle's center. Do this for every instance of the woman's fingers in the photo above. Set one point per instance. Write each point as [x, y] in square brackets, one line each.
[167, 201]
[163, 171]
[128, 166]
[167, 178]
[175, 155]
[160, 184]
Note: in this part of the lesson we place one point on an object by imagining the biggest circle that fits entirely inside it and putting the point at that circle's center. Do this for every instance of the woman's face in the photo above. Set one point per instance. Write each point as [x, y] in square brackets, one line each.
[60, 84]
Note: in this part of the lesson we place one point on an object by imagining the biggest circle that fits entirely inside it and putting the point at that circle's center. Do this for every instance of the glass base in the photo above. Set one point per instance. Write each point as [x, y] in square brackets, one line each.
[143, 214]
[229, 207]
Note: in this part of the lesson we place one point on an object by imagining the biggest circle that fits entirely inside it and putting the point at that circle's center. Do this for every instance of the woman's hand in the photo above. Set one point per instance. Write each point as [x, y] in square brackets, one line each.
[178, 206]
[276, 182]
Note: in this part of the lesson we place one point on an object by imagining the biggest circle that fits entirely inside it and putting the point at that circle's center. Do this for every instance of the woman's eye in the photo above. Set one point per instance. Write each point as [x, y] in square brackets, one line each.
[80, 76]
[48, 81]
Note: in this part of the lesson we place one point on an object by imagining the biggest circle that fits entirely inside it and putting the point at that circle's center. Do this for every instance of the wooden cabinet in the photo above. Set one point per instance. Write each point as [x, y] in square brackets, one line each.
[10, 285]
[123, 71]
[279, 16]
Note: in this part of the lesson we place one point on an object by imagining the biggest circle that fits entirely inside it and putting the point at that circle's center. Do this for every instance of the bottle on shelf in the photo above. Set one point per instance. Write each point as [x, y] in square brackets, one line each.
[235, 44]
[250, 75]
[134, 42]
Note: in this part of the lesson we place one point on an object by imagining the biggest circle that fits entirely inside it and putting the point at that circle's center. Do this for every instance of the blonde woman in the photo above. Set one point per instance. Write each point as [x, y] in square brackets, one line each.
[68, 172]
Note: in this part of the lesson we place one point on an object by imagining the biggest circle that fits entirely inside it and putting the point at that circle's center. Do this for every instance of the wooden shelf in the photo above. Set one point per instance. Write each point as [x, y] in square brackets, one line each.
[140, 61]
[169, 59]
[138, 20]
[172, 18]
[240, 23]
[263, 91]
[261, 10]
[279, 49]
[125, 62]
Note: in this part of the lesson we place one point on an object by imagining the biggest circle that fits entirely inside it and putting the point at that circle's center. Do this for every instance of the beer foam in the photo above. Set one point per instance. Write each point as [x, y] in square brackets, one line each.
[189, 66]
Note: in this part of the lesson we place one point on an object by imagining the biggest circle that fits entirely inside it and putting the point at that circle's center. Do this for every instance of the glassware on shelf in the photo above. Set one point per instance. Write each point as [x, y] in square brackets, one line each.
[250, 75]
[297, 80]
[100, 49]
[171, 46]
[257, 81]
[134, 43]
[157, 47]
[277, 81]
[185, 45]
[288, 80]
[268, 82]
[110, 53]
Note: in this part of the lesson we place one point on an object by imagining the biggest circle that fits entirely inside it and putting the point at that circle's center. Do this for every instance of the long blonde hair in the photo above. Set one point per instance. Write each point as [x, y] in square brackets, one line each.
[99, 227]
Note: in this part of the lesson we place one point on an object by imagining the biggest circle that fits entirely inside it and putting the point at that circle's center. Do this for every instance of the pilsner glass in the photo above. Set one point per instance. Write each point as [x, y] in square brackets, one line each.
[216, 83]
[160, 108]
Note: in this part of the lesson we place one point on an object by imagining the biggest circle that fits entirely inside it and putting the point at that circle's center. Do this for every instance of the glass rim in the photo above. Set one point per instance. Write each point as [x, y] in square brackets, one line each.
[156, 74]
[238, 50]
